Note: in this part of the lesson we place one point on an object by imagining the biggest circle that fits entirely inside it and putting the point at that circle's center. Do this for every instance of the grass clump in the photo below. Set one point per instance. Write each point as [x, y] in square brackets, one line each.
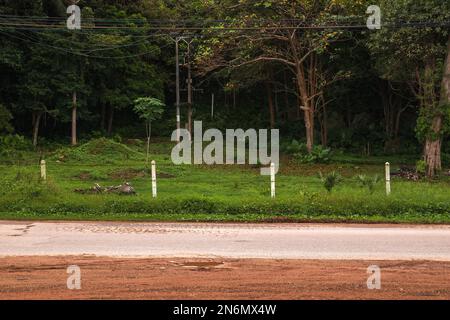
[330, 180]
[368, 182]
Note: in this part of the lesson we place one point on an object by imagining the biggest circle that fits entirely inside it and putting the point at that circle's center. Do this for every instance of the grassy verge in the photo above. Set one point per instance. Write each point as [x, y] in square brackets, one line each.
[210, 193]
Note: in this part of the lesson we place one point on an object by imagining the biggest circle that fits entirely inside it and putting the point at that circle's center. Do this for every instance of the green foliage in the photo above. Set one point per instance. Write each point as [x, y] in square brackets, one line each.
[415, 55]
[200, 193]
[319, 154]
[5, 118]
[368, 182]
[330, 180]
[13, 146]
[26, 186]
[293, 147]
[421, 166]
[97, 151]
[148, 109]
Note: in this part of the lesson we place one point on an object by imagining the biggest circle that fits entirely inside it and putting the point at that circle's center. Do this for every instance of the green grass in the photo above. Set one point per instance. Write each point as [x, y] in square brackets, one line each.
[208, 193]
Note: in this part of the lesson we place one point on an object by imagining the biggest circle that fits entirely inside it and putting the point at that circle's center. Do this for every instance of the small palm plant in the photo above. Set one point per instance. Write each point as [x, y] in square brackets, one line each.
[330, 180]
[368, 182]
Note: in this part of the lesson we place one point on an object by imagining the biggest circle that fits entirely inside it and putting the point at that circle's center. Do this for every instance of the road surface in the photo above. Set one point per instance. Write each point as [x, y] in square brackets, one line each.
[208, 240]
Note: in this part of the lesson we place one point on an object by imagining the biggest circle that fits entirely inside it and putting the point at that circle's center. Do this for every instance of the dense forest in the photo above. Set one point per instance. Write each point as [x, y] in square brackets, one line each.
[311, 68]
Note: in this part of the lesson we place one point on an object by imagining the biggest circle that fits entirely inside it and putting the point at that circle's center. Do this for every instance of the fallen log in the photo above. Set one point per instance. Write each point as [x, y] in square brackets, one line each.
[123, 189]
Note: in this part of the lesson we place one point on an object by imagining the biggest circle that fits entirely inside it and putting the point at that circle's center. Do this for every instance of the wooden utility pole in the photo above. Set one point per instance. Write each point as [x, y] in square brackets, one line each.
[74, 118]
[74, 23]
[212, 106]
[177, 40]
[189, 84]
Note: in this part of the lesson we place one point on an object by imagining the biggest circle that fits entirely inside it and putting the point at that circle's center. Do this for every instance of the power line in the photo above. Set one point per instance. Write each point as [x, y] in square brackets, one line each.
[78, 53]
[218, 25]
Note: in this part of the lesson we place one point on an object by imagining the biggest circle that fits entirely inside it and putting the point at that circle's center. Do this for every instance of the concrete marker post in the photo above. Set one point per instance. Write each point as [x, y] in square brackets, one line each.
[154, 191]
[388, 178]
[43, 170]
[272, 179]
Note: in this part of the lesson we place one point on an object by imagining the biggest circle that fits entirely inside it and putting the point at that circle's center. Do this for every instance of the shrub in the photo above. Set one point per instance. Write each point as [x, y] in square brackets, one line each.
[26, 186]
[421, 166]
[14, 141]
[330, 180]
[299, 151]
[368, 182]
[293, 147]
[14, 146]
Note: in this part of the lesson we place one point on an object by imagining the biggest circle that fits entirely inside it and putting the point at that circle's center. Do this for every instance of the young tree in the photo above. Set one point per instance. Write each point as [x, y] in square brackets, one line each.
[148, 109]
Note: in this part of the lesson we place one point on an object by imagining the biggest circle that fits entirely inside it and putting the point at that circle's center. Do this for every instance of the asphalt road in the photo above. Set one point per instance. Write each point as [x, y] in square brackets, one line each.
[270, 241]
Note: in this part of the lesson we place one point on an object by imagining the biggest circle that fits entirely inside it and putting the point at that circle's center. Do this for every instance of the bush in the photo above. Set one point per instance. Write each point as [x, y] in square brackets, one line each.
[421, 166]
[14, 141]
[330, 180]
[13, 146]
[299, 151]
[368, 182]
[26, 186]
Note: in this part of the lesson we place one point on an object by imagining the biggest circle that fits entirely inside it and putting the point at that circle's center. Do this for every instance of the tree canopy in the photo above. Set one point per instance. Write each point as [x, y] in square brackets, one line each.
[308, 67]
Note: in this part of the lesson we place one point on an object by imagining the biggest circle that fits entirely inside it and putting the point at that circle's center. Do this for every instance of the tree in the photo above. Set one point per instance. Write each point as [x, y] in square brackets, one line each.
[148, 109]
[302, 52]
[417, 56]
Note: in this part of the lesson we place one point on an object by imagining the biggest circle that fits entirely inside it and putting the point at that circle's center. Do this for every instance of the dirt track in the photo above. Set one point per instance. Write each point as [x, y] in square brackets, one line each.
[114, 278]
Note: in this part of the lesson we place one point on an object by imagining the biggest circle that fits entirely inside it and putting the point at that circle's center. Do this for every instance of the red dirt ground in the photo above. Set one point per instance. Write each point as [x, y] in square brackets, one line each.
[120, 278]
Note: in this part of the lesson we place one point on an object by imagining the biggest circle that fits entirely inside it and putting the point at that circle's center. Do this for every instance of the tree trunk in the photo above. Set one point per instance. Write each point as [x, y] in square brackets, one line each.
[271, 106]
[36, 123]
[74, 118]
[324, 126]
[110, 121]
[286, 97]
[309, 125]
[433, 143]
[306, 107]
[433, 154]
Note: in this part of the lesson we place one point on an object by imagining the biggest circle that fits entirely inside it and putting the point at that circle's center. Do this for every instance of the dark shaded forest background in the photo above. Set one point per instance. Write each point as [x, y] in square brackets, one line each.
[372, 93]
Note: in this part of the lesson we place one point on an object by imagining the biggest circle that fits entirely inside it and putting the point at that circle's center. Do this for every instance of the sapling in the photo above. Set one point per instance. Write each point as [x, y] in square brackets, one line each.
[148, 109]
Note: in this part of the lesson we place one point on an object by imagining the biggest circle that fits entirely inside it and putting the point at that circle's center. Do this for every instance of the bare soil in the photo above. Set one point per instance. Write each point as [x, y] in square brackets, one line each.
[167, 278]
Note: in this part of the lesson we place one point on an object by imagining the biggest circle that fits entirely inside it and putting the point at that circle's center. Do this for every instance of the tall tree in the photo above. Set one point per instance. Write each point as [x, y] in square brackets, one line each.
[300, 50]
[417, 55]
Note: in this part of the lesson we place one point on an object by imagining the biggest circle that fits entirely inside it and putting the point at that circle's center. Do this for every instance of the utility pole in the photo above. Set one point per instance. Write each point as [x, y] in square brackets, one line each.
[74, 23]
[212, 106]
[74, 118]
[189, 84]
[177, 40]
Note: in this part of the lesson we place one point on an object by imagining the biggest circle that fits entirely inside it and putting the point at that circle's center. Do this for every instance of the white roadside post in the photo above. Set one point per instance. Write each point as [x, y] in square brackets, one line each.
[43, 170]
[388, 178]
[154, 179]
[272, 179]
